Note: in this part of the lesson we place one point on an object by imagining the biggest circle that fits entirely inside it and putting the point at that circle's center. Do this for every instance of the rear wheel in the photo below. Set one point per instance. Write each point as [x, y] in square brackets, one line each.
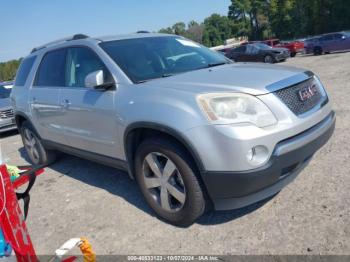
[168, 181]
[269, 59]
[35, 150]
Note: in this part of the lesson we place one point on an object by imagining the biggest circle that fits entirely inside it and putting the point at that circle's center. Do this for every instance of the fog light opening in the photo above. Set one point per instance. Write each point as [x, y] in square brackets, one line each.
[257, 155]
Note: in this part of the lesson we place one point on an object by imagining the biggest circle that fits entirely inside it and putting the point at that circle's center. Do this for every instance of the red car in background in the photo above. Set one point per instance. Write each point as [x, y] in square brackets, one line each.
[294, 47]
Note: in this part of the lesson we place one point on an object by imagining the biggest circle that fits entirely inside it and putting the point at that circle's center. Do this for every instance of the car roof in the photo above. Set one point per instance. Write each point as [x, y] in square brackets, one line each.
[129, 36]
[81, 37]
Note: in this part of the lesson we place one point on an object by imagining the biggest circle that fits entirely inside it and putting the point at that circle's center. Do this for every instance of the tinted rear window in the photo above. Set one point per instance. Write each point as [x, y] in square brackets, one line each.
[52, 69]
[240, 49]
[23, 71]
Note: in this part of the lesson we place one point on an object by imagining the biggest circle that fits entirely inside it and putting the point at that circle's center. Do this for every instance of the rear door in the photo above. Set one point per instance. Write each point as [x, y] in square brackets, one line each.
[90, 118]
[44, 96]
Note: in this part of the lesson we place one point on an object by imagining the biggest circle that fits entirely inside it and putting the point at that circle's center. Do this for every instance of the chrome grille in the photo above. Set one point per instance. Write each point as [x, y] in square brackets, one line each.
[6, 114]
[290, 96]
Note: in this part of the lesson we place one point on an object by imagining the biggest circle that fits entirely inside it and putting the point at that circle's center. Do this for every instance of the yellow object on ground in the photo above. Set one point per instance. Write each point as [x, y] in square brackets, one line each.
[86, 249]
[13, 171]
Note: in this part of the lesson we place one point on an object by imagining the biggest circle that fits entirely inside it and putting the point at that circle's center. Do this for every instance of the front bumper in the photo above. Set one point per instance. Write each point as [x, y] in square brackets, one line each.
[283, 56]
[231, 190]
[7, 124]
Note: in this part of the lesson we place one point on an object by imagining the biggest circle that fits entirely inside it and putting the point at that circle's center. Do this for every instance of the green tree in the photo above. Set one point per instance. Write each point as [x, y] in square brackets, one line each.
[217, 29]
[250, 17]
[195, 31]
[179, 28]
[167, 30]
[8, 70]
[282, 18]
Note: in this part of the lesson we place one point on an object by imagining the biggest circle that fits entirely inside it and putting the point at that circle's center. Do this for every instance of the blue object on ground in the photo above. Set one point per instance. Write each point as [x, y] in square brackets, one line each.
[5, 248]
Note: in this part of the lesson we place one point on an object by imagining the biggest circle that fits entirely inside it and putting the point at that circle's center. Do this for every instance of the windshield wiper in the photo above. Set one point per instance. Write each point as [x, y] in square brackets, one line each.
[217, 64]
[167, 75]
[146, 80]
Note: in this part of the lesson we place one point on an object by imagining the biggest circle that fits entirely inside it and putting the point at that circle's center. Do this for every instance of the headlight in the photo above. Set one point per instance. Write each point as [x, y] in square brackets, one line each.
[234, 108]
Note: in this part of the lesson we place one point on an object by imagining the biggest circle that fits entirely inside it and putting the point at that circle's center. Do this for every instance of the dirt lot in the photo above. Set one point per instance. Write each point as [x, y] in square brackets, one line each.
[311, 216]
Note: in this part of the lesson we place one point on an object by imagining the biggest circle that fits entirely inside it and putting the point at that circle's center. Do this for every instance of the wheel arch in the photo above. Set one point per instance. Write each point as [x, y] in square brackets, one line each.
[20, 118]
[137, 132]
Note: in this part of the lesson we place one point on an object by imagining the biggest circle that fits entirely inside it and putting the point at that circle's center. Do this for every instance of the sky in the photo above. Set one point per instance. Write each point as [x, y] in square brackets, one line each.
[26, 24]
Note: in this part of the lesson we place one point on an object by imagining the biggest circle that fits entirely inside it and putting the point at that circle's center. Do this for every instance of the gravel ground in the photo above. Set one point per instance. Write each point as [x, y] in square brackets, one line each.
[77, 198]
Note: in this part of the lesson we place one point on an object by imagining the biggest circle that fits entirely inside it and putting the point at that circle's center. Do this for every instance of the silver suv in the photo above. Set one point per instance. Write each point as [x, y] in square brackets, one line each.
[194, 129]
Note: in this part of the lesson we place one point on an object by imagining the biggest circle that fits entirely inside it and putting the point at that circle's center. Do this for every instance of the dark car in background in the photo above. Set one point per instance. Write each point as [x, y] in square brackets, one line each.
[258, 52]
[329, 43]
[310, 43]
[7, 120]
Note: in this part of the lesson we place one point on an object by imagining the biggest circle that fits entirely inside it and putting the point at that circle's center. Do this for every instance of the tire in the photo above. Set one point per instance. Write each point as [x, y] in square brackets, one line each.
[269, 59]
[318, 50]
[180, 207]
[35, 150]
[293, 54]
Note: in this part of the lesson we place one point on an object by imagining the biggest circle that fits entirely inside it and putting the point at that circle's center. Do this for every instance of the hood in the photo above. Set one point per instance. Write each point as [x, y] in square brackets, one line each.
[5, 103]
[250, 78]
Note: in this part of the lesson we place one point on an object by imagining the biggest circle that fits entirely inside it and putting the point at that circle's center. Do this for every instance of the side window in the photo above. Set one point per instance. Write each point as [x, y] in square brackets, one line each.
[82, 61]
[23, 71]
[251, 50]
[240, 49]
[338, 36]
[52, 69]
[327, 38]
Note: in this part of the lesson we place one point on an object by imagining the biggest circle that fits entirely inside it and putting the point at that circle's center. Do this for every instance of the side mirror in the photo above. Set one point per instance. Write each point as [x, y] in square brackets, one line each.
[96, 80]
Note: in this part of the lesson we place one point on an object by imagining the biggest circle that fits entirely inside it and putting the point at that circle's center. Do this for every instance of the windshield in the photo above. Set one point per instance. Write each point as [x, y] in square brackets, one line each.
[148, 58]
[4, 92]
[262, 46]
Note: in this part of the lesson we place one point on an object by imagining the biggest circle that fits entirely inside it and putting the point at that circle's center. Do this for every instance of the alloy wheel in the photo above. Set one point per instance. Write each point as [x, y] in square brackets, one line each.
[268, 59]
[31, 145]
[164, 182]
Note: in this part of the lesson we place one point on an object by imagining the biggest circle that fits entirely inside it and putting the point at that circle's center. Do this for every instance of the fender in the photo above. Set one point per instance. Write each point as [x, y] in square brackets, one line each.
[27, 119]
[169, 131]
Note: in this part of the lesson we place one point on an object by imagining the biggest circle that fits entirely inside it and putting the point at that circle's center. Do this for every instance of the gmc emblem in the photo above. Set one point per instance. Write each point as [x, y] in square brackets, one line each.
[308, 92]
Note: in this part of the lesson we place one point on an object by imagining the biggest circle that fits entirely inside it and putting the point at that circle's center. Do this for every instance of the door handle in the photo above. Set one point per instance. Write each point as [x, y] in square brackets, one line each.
[32, 103]
[65, 104]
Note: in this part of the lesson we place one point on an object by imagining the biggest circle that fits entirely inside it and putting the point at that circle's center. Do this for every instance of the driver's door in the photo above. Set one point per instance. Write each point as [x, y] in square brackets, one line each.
[90, 118]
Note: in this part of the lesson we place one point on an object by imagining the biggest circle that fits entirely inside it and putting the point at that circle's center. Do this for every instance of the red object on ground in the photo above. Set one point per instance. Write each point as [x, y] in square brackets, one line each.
[12, 220]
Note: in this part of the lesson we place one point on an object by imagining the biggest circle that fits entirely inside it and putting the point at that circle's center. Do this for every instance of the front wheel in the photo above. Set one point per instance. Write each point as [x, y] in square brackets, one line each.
[318, 50]
[269, 59]
[293, 54]
[35, 150]
[167, 178]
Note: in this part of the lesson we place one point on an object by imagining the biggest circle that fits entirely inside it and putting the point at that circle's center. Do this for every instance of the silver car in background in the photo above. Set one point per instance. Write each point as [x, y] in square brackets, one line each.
[7, 119]
[194, 129]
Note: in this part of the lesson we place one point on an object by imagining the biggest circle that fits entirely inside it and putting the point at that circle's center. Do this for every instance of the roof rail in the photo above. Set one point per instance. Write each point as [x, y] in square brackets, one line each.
[142, 32]
[70, 38]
